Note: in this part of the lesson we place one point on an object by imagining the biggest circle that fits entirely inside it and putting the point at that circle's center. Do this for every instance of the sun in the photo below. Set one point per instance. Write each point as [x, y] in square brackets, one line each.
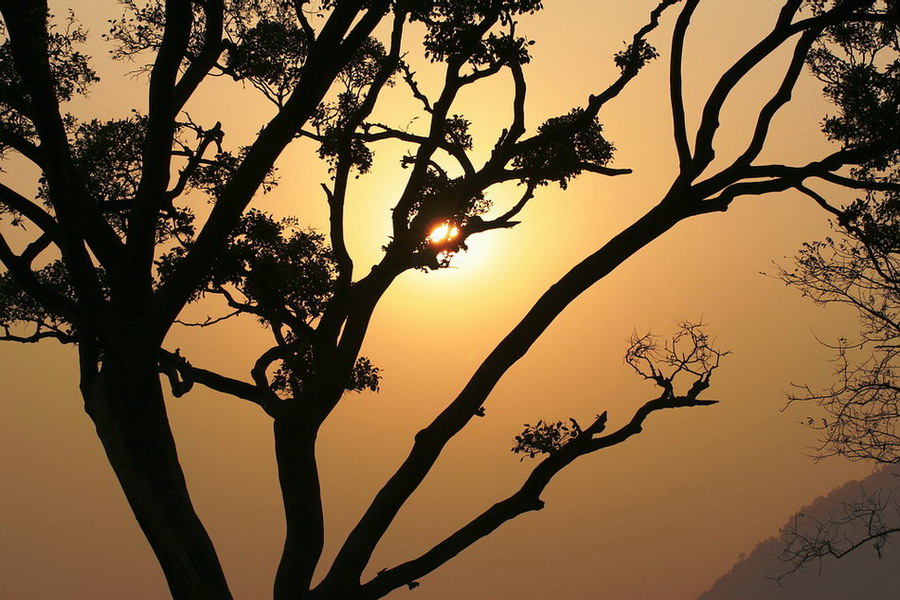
[443, 233]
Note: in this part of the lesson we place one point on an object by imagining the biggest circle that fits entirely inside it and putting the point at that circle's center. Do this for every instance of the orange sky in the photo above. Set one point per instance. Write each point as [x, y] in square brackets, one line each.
[657, 518]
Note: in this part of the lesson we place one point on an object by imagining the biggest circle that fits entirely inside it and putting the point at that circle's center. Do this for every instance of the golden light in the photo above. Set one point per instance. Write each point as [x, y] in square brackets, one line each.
[443, 233]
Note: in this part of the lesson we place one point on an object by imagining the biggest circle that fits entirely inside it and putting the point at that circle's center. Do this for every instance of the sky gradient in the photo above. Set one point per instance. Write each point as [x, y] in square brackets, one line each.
[660, 517]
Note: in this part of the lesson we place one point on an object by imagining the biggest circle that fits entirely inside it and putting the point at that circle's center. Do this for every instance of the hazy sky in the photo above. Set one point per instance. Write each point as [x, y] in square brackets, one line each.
[657, 518]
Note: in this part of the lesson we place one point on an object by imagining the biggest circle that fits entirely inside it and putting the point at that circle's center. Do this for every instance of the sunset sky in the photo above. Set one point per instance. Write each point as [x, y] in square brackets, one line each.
[660, 517]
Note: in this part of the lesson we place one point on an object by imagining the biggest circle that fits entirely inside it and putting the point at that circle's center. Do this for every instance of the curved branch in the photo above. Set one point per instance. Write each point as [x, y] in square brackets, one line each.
[201, 65]
[183, 375]
[526, 499]
[31, 211]
[430, 442]
[78, 214]
[781, 97]
[597, 101]
[52, 301]
[704, 152]
[21, 145]
[676, 94]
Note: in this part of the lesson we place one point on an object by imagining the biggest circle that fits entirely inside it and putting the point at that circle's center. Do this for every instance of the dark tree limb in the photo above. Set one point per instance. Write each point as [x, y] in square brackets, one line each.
[676, 93]
[704, 152]
[20, 271]
[42, 332]
[527, 498]
[781, 97]
[78, 214]
[325, 60]
[597, 101]
[336, 199]
[21, 145]
[182, 376]
[861, 184]
[305, 25]
[156, 152]
[821, 201]
[409, 78]
[28, 209]
[429, 442]
[203, 63]
[34, 249]
[195, 160]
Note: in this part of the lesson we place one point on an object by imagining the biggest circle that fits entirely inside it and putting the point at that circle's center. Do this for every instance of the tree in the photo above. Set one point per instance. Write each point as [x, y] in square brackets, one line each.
[118, 255]
[858, 267]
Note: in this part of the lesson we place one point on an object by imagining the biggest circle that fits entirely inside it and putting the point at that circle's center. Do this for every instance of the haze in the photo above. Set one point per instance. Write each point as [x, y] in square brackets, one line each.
[658, 518]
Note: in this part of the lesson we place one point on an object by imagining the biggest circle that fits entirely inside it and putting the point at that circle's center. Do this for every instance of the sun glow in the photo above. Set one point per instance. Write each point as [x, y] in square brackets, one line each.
[443, 233]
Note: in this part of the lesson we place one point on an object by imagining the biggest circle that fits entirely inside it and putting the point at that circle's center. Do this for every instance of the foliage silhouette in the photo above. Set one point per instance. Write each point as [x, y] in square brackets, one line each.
[119, 250]
[859, 67]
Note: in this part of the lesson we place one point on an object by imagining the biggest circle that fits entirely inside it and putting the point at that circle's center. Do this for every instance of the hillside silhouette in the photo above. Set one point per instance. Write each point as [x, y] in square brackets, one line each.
[860, 575]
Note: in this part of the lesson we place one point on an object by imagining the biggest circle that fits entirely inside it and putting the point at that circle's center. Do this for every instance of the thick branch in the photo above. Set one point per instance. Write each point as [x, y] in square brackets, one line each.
[429, 442]
[21, 145]
[325, 60]
[526, 499]
[156, 153]
[675, 83]
[709, 122]
[28, 209]
[201, 65]
[25, 277]
[781, 97]
[183, 375]
[79, 216]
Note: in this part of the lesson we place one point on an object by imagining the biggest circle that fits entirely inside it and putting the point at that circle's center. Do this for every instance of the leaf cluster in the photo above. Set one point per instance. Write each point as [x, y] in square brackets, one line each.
[453, 30]
[297, 369]
[576, 143]
[270, 52]
[334, 121]
[69, 67]
[545, 438]
[108, 157]
[859, 63]
[273, 264]
[635, 56]
[18, 307]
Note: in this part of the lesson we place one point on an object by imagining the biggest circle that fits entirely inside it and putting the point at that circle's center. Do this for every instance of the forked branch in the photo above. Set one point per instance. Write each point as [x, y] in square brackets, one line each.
[688, 351]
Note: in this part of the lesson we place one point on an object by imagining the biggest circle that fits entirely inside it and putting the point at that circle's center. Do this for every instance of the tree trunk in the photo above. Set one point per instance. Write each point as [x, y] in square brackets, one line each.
[295, 439]
[125, 401]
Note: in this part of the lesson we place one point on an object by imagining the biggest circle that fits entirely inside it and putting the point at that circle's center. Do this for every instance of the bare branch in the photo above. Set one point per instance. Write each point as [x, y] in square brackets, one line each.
[43, 331]
[409, 78]
[430, 441]
[675, 83]
[182, 377]
[195, 159]
[209, 320]
[867, 520]
[709, 122]
[563, 449]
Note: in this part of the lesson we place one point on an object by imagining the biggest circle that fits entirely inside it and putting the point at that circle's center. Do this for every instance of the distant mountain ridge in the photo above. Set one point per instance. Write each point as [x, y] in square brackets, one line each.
[860, 575]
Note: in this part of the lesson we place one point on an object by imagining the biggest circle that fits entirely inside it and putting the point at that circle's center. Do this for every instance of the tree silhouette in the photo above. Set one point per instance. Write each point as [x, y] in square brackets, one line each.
[858, 267]
[119, 253]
